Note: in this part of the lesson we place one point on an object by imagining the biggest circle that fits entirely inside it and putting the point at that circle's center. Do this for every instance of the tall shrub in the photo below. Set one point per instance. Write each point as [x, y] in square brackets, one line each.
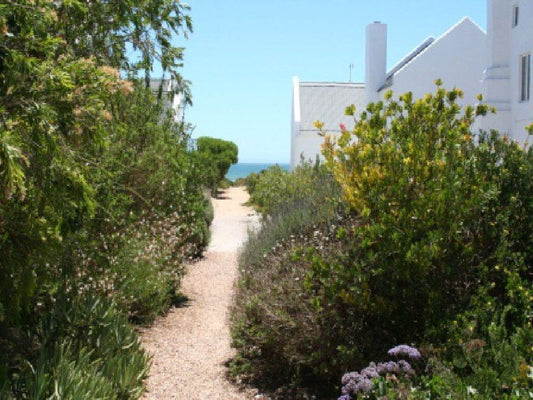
[215, 156]
[99, 196]
[409, 168]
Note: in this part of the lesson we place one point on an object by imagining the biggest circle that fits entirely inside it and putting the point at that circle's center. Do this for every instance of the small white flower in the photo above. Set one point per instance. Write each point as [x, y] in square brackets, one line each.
[471, 390]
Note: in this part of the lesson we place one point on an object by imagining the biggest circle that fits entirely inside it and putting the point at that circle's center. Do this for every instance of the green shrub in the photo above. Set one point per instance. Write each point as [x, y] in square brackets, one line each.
[68, 376]
[440, 215]
[215, 156]
[149, 219]
[251, 181]
[88, 350]
[208, 213]
[240, 182]
[433, 204]
[273, 325]
[88, 161]
[489, 345]
[276, 187]
[290, 211]
[143, 285]
[486, 356]
[438, 218]
[225, 183]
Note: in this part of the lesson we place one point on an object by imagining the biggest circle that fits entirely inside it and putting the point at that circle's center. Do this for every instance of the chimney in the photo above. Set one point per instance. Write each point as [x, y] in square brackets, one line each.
[497, 76]
[376, 60]
[499, 32]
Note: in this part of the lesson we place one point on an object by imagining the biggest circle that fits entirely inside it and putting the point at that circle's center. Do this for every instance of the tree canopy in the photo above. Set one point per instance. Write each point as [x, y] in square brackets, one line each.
[218, 155]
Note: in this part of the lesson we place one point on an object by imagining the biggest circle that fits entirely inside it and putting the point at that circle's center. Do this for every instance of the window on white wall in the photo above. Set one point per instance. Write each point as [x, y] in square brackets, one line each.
[516, 10]
[525, 76]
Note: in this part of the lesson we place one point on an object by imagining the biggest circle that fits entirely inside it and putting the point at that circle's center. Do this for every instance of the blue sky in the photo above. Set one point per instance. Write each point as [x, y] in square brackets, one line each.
[243, 54]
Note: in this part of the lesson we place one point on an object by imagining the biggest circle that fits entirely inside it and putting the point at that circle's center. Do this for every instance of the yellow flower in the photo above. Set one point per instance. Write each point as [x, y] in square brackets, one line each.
[318, 125]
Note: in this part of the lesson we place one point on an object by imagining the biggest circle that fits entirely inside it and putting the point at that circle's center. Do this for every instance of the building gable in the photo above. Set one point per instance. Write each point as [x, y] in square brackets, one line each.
[458, 58]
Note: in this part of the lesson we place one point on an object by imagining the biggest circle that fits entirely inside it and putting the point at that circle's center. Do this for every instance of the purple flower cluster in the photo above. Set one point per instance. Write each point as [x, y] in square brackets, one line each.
[355, 383]
[401, 367]
[406, 368]
[389, 367]
[371, 371]
[404, 350]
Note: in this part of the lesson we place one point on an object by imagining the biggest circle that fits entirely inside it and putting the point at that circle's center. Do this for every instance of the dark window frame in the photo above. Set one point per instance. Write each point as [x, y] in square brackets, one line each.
[524, 76]
[516, 15]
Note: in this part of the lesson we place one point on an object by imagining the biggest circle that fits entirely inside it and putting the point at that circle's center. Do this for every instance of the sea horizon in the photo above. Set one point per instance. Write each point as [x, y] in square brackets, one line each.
[243, 169]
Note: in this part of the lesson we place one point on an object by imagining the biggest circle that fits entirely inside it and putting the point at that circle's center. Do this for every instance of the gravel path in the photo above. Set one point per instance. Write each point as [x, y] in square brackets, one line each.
[191, 344]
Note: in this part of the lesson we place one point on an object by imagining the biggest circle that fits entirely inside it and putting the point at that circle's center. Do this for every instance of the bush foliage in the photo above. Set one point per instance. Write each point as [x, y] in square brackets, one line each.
[434, 251]
[100, 197]
[215, 156]
[275, 187]
[272, 318]
[88, 351]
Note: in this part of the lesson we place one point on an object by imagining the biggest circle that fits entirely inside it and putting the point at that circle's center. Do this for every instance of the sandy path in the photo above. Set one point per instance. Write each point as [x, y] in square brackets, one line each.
[191, 344]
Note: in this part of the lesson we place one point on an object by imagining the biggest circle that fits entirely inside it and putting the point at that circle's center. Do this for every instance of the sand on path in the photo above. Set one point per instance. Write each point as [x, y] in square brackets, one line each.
[191, 344]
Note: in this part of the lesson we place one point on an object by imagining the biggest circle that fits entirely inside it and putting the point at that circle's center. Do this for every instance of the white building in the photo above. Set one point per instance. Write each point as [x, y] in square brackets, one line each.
[319, 101]
[507, 78]
[457, 58]
[497, 64]
[172, 99]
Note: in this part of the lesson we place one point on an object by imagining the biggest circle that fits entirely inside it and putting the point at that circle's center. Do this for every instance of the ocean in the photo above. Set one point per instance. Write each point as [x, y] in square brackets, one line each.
[242, 170]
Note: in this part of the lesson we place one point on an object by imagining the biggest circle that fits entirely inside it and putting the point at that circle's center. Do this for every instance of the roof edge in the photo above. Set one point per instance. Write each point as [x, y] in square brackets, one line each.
[296, 113]
[410, 56]
[352, 84]
[429, 42]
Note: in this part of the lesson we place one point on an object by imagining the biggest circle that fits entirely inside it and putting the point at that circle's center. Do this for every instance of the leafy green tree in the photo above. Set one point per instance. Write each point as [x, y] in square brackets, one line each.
[109, 30]
[54, 110]
[216, 155]
[87, 162]
[59, 81]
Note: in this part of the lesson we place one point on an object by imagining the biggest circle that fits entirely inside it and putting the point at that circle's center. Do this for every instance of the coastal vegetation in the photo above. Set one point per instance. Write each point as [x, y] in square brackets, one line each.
[102, 199]
[216, 157]
[426, 242]
[399, 268]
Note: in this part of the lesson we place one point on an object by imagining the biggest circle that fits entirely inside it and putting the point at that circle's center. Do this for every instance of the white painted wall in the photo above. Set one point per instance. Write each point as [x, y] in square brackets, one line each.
[458, 58]
[307, 145]
[497, 74]
[521, 43]
[178, 105]
[320, 101]
[295, 121]
[464, 57]
[501, 81]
